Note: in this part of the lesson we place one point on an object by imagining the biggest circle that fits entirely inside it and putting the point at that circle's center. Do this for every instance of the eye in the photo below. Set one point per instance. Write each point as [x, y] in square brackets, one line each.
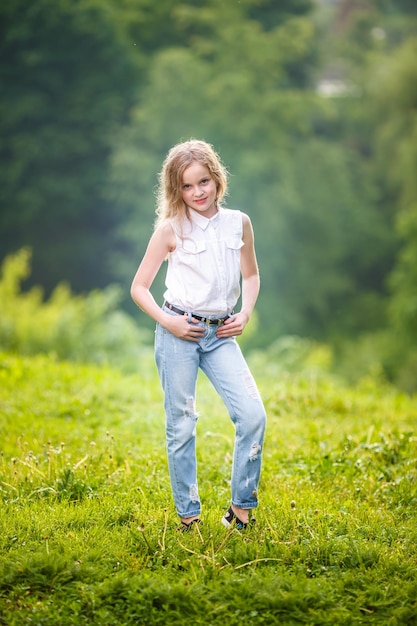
[205, 181]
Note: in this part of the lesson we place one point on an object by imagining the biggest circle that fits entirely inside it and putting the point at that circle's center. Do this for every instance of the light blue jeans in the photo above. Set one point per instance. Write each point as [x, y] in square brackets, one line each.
[222, 361]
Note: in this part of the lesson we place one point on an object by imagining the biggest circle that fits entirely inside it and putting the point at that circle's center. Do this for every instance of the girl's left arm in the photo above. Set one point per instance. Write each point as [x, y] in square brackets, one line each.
[250, 283]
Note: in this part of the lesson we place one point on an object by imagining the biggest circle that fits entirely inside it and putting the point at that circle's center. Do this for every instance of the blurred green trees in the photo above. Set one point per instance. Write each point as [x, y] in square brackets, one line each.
[70, 74]
[312, 106]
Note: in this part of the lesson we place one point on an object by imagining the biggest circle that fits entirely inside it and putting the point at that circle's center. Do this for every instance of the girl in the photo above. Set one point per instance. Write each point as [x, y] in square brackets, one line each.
[208, 248]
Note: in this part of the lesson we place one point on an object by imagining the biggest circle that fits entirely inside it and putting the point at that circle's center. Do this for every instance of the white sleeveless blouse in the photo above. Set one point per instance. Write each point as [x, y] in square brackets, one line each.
[203, 274]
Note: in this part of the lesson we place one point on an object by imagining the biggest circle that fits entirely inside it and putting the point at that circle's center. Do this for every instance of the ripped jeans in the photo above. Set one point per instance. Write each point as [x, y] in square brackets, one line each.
[222, 361]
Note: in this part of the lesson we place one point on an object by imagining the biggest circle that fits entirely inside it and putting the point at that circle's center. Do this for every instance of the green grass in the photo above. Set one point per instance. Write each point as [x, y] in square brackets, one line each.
[88, 529]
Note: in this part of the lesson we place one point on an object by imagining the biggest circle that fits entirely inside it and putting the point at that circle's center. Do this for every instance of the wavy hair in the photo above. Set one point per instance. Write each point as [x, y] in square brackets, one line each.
[170, 204]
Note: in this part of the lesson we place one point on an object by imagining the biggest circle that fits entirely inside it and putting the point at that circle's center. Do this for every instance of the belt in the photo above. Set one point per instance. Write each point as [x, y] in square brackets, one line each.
[206, 320]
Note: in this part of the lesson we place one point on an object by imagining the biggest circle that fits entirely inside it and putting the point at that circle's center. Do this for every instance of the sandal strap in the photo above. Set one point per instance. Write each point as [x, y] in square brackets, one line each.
[187, 526]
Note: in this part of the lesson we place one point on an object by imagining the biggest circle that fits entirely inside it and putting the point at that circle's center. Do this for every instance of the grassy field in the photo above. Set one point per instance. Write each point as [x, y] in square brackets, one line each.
[88, 531]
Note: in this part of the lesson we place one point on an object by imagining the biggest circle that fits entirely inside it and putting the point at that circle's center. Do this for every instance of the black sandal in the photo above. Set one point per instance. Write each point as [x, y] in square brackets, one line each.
[186, 527]
[230, 516]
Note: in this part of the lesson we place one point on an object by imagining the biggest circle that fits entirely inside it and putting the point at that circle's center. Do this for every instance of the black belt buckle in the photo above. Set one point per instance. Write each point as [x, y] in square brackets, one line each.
[210, 322]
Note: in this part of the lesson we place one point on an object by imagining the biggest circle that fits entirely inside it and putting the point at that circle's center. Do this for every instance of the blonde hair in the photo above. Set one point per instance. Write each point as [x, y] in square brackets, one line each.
[170, 204]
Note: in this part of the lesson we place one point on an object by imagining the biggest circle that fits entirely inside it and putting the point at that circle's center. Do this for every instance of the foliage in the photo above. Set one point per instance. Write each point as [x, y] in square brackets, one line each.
[374, 50]
[71, 74]
[88, 530]
[394, 109]
[397, 152]
[88, 328]
[98, 90]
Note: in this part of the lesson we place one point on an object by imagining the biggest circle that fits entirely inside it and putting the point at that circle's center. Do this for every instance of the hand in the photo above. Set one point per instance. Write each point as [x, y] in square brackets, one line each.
[179, 326]
[233, 326]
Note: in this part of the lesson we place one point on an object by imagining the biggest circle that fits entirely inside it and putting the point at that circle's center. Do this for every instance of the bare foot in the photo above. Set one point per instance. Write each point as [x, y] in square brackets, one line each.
[242, 514]
[188, 520]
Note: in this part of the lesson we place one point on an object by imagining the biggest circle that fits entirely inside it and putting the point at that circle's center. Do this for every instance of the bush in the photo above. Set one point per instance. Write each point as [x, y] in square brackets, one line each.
[294, 355]
[83, 328]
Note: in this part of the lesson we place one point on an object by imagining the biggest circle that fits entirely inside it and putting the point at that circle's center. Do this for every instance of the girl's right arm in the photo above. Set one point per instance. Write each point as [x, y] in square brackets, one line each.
[160, 245]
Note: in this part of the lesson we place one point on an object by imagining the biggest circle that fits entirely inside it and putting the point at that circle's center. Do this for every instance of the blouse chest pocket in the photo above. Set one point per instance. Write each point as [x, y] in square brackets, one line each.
[190, 250]
[234, 243]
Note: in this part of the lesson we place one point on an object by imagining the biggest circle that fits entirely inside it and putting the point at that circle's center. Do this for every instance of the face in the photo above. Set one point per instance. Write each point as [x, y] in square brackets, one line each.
[199, 189]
